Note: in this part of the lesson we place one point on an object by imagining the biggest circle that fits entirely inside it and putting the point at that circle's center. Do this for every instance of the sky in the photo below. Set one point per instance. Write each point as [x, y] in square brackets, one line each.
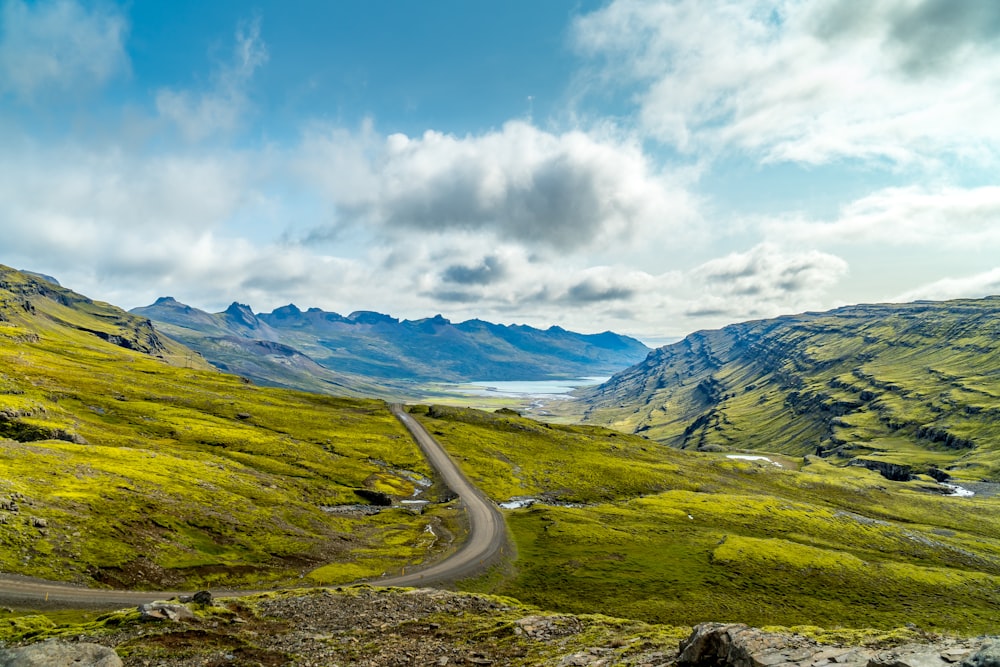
[642, 166]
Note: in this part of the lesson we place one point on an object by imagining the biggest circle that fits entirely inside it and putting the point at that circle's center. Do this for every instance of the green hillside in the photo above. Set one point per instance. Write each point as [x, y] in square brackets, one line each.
[903, 388]
[632, 528]
[126, 460]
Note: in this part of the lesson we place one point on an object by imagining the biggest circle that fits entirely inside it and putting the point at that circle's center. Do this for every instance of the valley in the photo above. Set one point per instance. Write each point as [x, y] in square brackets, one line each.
[372, 354]
[782, 473]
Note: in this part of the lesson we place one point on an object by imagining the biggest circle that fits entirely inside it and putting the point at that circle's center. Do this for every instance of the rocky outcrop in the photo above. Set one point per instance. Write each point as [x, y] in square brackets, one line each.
[164, 611]
[390, 627]
[374, 497]
[14, 428]
[55, 653]
[896, 472]
[735, 645]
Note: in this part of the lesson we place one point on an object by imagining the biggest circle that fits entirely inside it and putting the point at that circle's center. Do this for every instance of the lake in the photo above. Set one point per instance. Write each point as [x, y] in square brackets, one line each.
[526, 388]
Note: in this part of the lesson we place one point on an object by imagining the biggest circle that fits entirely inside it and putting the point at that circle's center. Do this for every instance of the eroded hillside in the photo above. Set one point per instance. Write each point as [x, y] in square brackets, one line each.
[909, 388]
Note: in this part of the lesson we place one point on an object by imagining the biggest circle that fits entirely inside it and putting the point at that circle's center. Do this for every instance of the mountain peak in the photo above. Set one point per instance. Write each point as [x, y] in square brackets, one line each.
[236, 308]
[167, 301]
[291, 311]
[240, 313]
[371, 317]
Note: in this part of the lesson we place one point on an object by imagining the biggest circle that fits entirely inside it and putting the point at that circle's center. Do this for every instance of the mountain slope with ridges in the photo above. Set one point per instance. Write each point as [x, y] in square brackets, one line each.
[913, 385]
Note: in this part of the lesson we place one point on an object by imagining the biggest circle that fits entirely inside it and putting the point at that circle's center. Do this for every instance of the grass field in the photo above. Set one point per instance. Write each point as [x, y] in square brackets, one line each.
[675, 537]
[130, 462]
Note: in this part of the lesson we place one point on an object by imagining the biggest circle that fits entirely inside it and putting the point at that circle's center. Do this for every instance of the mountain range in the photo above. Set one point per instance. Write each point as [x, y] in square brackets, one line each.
[319, 350]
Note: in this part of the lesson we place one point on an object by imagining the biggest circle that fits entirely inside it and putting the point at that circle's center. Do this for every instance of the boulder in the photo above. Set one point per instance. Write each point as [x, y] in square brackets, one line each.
[203, 598]
[909, 656]
[987, 656]
[55, 653]
[736, 645]
[164, 611]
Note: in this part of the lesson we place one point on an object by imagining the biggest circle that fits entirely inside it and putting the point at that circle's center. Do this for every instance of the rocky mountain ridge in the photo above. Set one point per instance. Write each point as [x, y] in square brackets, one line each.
[384, 348]
[905, 389]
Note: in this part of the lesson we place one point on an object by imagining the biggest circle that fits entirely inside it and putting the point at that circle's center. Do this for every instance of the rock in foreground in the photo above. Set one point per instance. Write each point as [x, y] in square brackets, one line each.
[383, 627]
[734, 645]
[54, 653]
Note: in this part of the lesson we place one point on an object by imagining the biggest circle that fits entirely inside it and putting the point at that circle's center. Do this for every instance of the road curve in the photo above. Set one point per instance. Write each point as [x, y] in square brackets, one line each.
[487, 530]
[484, 544]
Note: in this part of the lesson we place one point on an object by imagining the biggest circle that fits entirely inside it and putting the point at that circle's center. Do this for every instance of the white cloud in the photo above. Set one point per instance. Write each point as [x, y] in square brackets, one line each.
[975, 286]
[762, 282]
[942, 217]
[221, 108]
[117, 193]
[519, 183]
[58, 47]
[128, 221]
[811, 81]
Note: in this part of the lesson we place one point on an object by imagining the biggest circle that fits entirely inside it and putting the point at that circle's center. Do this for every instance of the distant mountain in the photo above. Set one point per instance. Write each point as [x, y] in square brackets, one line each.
[386, 349]
[902, 388]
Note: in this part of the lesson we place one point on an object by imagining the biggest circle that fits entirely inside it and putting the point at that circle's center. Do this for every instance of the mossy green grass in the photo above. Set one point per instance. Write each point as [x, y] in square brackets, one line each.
[673, 537]
[131, 462]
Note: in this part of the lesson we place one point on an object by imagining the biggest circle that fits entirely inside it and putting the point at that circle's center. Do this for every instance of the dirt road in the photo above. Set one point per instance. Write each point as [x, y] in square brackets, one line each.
[487, 534]
[484, 544]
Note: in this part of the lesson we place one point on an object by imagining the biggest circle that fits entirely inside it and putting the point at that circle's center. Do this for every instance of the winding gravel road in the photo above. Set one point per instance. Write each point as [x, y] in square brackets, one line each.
[487, 530]
[484, 544]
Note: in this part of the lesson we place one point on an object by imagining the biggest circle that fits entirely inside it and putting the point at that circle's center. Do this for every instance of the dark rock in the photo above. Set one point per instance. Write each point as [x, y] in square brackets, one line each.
[55, 653]
[987, 656]
[892, 471]
[374, 497]
[938, 474]
[203, 598]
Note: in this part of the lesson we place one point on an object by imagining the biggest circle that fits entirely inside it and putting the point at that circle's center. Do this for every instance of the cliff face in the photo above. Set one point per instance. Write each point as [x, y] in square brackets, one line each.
[915, 384]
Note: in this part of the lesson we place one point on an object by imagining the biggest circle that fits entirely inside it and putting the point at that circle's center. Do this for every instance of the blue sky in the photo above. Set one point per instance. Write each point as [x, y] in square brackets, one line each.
[650, 167]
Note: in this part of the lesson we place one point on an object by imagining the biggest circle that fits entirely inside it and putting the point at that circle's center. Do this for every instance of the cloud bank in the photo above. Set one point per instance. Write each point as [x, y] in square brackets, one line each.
[558, 190]
[809, 82]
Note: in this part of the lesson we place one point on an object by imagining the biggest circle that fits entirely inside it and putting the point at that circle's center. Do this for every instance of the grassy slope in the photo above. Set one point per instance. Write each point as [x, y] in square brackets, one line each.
[680, 537]
[149, 473]
[912, 384]
[279, 365]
